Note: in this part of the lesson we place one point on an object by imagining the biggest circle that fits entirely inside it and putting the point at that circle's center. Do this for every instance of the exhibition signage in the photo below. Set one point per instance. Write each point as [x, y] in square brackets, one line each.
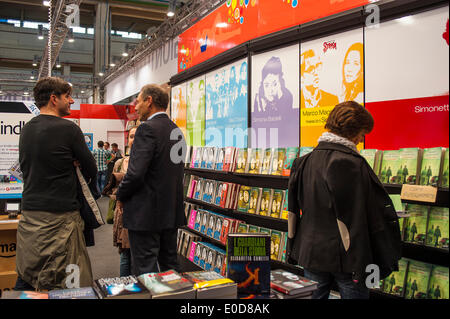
[235, 22]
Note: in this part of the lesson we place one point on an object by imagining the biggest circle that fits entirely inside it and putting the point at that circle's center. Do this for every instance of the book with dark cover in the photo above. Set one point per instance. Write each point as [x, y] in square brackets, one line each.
[291, 155]
[291, 284]
[255, 199]
[167, 285]
[76, 293]
[254, 160]
[212, 285]
[278, 161]
[394, 284]
[128, 287]
[438, 286]
[431, 166]
[277, 201]
[267, 161]
[244, 198]
[266, 201]
[241, 160]
[415, 227]
[438, 228]
[417, 280]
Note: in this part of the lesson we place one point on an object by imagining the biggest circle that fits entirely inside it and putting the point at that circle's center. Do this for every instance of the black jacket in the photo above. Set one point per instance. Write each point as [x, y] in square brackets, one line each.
[348, 219]
[152, 189]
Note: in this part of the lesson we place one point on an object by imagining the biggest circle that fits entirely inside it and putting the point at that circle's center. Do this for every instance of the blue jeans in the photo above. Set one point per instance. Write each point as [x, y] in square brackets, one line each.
[347, 288]
[125, 263]
[101, 180]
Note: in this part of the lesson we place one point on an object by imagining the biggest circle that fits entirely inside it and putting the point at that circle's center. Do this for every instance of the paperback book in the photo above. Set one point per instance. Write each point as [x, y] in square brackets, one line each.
[276, 239]
[278, 160]
[241, 160]
[219, 159]
[305, 150]
[244, 199]
[417, 280]
[255, 197]
[394, 284]
[205, 156]
[128, 287]
[438, 227]
[211, 159]
[438, 286]
[431, 166]
[410, 159]
[248, 262]
[266, 164]
[291, 284]
[167, 285]
[445, 169]
[228, 158]
[277, 201]
[291, 155]
[415, 226]
[266, 200]
[254, 160]
[76, 293]
[390, 168]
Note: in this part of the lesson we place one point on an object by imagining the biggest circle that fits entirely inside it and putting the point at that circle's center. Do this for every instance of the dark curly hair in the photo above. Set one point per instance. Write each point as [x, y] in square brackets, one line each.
[45, 87]
[348, 119]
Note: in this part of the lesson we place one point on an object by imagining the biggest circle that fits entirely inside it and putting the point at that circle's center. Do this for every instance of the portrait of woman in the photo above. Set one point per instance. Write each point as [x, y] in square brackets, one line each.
[353, 74]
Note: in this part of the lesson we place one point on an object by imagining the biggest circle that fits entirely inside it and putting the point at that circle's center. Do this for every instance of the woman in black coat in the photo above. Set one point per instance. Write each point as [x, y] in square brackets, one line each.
[342, 224]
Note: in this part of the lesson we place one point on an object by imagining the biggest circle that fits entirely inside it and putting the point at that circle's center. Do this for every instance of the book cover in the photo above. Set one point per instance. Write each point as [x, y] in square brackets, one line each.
[244, 198]
[226, 227]
[305, 150]
[192, 219]
[397, 201]
[410, 159]
[431, 166]
[275, 244]
[203, 256]
[248, 262]
[254, 160]
[76, 293]
[394, 284]
[416, 225]
[211, 153]
[205, 156]
[209, 191]
[438, 286]
[267, 161]
[437, 230]
[291, 155]
[199, 188]
[444, 182]
[198, 253]
[187, 159]
[282, 256]
[224, 195]
[165, 283]
[217, 232]
[198, 220]
[27, 294]
[290, 284]
[228, 158]
[211, 225]
[241, 160]
[192, 250]
[285, 210]
[253, 229]
[204, 223]
[390, 168]
[266, 199]
[417, 280]
[242, 228]
[193, 187]
[264, 230]
[219, 159]
[121, 287]
[218, 194]
[369, 155]
[278, 161]
[198, 157]
[255, 197]
[210, 259]
[194, 156]
[277, 201]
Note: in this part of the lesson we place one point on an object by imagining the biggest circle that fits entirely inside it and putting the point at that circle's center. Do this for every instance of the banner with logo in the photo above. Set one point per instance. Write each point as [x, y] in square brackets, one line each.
[331, 72]
[226, 106]
[236, 22]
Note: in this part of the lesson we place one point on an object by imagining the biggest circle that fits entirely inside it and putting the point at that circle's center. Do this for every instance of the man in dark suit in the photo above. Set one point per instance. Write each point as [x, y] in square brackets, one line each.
[151, 193]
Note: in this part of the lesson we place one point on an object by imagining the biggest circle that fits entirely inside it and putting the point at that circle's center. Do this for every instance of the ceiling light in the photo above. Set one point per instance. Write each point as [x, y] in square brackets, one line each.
[112, 65]
[34, 63]
[124, 54]
[71, 39]
[46, 3]
[32, 77]
[101, 74]
[172, 7]
[82, 91]
[40, 32]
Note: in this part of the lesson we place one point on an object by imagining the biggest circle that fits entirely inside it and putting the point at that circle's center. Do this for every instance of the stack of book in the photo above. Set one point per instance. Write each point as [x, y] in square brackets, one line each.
[167, 285]
[128, 287]
[208, 257]
[287, 285]
[211, 285]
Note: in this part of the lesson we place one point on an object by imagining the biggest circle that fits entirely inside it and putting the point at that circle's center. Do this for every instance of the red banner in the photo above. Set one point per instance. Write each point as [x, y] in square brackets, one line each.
[236, 22]
[421, 122]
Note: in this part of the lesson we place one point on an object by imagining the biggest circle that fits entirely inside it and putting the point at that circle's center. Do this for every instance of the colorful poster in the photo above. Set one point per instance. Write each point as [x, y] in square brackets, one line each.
[331, 71]
[195, 109]
[275, 98]
[236, 22]
[178, 110]
[227, 106]
[407, 81]
[89, 139]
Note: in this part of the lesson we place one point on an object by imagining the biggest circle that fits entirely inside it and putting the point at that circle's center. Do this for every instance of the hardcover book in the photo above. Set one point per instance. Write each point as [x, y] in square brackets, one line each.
[277, 201]
[219, 159]
[437, 230]
[390, 168]
[291, 155]
[241, 160]
[167, 285]
[291, 284]
[248, 262]
[278, 161]
[254, 160]
[121, 288]
[431, 166]
[438, 286]
[275, 244]
[76, 293]
[416, 224]
[255, 197]
[266, 164]
[410, 159]
[417, 280]
[445, 170]
[394, 284]
[266, 200]
[244, 199]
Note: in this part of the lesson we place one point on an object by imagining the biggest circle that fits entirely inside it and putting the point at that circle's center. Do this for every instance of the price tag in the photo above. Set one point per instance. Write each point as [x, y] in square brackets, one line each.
[419, 193]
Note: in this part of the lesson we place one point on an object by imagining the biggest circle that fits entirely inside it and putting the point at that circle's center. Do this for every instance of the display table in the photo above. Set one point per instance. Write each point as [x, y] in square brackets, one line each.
[8, 230]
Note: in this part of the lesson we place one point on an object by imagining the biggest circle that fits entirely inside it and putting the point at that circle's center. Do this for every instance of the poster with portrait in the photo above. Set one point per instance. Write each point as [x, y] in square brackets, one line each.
[226, 106]
[407, 81]
[275, 98]
[178, 106]
[89, 138]
[331, 72]
[195, 112]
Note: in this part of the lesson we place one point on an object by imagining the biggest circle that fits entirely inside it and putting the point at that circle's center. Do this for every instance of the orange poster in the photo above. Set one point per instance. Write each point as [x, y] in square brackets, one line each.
[235, 23]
